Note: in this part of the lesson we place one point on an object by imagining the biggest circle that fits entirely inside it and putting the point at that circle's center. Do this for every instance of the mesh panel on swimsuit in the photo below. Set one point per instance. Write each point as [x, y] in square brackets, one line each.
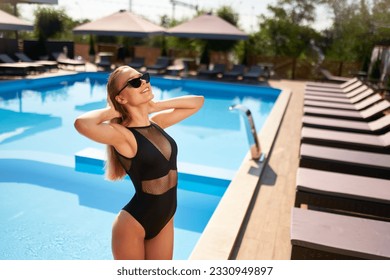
[158, 140]
[160, 185]
[125, 162]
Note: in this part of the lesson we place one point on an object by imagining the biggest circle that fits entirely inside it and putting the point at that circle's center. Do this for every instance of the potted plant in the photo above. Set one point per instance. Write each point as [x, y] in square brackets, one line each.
[92, 52]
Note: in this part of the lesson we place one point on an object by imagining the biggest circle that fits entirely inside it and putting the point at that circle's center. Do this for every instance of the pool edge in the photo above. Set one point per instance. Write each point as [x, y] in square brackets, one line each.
[219, 237]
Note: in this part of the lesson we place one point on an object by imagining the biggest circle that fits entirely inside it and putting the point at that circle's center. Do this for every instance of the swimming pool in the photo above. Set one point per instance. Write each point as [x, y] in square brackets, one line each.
[37, 139]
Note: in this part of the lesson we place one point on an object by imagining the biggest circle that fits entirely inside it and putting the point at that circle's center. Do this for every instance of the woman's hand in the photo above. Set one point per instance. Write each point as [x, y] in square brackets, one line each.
[96, 125]
[112, 111]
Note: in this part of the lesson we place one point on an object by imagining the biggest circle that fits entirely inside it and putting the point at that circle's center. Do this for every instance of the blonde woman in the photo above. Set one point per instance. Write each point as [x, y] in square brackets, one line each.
[137, 145]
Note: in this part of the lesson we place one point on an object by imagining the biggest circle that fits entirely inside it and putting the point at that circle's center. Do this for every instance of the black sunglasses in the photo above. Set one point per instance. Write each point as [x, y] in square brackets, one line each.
[136, 82]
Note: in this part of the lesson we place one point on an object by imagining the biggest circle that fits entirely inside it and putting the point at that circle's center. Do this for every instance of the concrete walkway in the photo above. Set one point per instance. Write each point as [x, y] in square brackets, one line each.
[265, 234]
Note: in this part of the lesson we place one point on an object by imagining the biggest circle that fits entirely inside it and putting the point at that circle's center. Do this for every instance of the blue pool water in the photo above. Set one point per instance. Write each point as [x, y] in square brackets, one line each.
[50, 211]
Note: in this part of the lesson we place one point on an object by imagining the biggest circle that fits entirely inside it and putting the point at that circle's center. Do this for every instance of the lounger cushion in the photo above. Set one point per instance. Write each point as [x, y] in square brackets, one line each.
[344, 90]
[345, 235]
[378, 126]
[137, 62]
[329, 76]
[344, 160]
[325, 84]
[352, 140]
[357, 98]
[348, 94]
[343, 185]
[345, 106]
[371, 113]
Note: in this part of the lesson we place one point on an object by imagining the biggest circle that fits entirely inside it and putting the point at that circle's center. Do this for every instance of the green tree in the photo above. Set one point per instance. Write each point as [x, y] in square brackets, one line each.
[347, 39]
[49, 23]
[227, 13]
[381, 21]
[287, 32]
[357, 27]
[300, 11]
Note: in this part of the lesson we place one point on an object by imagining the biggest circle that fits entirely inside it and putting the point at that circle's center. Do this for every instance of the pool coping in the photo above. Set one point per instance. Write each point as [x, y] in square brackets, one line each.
[219, 237]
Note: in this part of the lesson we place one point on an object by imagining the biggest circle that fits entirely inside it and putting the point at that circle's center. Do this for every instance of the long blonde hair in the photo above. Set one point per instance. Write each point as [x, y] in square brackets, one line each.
[113, 168]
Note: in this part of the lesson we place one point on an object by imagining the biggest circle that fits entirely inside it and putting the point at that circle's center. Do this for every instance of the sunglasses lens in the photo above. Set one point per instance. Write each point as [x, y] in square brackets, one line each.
[146, 77]
[136, 83]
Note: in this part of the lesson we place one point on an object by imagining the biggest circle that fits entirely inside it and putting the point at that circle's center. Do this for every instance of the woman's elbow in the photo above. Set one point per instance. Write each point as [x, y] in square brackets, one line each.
[80, 126]
[200, 101]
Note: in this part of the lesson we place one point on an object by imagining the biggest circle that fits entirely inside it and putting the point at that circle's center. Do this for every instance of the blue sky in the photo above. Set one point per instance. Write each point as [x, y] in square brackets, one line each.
[248, 10]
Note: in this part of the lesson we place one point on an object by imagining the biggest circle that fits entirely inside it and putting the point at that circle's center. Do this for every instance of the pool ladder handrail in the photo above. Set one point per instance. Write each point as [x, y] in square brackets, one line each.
[253, 140]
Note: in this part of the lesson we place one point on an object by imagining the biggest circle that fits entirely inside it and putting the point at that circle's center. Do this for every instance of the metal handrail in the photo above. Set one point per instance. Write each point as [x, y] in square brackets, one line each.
[253, 140]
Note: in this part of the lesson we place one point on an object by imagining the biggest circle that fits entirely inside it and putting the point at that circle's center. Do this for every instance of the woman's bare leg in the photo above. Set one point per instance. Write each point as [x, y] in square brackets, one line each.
[127, 238]
[161, 246]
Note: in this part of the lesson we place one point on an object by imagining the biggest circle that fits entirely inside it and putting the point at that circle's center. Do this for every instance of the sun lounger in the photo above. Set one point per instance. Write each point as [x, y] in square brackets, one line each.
[371, 113]
[351, 194]
[105, 62]
[161, 65]
[177, 68]
[330, 77]
[325, 85]
[234, 73]
[331, 85]
[48, 64]
[137, 62]
[344, 106]
[339, 99]
[320, 235]
[345, 160]
[218, 69]
[14, 69]
[377, 127]
[346, 140]
[349, 87]
[64, 61]
[352, 91]
[30, 66]
[71, 62]
[255, 72]
[335, 92]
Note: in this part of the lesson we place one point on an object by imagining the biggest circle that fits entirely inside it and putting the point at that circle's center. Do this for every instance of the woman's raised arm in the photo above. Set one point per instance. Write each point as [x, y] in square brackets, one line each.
[174, 110]
[94, 125]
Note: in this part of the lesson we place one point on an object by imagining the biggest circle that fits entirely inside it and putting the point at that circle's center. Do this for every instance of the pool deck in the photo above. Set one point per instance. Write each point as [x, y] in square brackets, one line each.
[265, 233]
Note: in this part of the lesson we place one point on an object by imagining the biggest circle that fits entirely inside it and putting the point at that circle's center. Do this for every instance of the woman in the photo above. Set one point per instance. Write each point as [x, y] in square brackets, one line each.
[138, 145]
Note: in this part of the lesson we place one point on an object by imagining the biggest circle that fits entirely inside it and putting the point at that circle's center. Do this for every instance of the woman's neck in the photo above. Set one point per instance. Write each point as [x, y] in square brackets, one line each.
[138, 116]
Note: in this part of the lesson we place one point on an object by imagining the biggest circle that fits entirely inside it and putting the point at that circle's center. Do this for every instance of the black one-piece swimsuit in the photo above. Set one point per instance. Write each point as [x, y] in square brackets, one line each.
[153, 171]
